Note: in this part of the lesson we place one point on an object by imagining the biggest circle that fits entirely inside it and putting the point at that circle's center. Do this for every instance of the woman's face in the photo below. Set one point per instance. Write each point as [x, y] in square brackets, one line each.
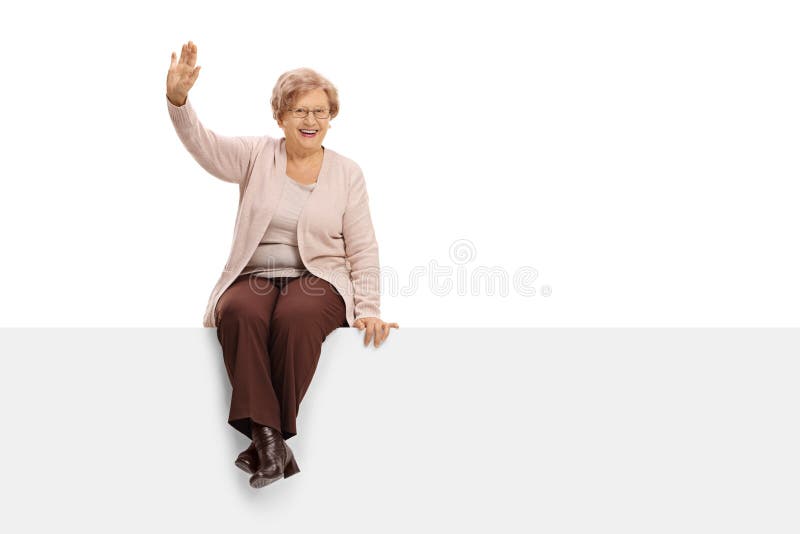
[293, 126]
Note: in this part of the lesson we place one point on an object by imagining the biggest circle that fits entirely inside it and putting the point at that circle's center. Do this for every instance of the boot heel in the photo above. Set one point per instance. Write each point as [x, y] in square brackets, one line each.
[291, 468]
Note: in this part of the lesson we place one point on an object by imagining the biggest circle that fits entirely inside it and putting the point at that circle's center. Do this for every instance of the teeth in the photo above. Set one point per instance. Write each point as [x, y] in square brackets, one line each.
[308, 131]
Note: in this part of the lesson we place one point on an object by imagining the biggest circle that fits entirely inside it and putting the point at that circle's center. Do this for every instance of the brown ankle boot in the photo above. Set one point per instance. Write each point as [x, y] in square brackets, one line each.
[247, 460]
[275, 458]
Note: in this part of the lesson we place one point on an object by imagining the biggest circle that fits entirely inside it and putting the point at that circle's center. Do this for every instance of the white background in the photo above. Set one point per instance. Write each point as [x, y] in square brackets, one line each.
[639, 156]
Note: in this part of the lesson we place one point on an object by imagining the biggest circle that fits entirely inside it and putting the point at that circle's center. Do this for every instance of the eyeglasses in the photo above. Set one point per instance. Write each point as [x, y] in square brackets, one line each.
[302, 113]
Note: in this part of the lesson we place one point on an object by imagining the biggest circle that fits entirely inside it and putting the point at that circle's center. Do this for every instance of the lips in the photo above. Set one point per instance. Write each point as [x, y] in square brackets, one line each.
[308, 133]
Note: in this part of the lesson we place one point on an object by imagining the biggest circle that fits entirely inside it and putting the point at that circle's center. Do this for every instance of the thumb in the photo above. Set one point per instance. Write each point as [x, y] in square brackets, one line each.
[195, 74]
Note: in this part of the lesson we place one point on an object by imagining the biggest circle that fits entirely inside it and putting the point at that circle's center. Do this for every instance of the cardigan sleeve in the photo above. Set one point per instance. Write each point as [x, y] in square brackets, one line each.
[227, 158]
[361, 249]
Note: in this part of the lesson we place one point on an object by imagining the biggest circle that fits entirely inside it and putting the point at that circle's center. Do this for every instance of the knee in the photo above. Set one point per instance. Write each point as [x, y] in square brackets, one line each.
[292, 318]
[239, 310]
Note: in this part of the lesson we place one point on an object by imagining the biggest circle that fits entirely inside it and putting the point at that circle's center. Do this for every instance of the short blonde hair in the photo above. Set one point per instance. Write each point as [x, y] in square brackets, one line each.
[294, 83]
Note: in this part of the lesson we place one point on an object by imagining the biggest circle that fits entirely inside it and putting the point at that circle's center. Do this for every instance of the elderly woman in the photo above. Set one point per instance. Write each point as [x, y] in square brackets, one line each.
[304, 259]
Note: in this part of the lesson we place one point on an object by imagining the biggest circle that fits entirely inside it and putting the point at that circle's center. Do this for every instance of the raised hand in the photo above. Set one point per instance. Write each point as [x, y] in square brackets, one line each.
[182, 74]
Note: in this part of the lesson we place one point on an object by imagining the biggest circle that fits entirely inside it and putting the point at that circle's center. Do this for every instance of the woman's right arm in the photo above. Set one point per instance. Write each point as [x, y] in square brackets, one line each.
[227, 158]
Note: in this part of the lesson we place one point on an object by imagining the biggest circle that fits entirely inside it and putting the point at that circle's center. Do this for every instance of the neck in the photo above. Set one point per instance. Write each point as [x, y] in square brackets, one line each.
[301, 155]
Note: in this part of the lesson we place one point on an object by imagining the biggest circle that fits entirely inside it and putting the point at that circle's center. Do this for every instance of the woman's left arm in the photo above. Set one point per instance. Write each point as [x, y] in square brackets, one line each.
[361, 251]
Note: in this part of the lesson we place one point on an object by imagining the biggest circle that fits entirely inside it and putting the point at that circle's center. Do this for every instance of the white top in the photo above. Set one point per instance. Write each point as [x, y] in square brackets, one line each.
[277, 254]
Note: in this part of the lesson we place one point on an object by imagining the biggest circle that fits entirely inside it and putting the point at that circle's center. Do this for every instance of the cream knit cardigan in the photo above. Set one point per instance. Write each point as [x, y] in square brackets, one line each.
[335, 235]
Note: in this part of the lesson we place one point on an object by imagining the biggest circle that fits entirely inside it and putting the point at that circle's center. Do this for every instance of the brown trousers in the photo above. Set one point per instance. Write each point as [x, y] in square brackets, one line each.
[271, 331]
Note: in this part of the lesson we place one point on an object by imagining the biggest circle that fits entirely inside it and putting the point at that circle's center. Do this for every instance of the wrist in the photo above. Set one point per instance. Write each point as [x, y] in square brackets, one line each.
[177, 100]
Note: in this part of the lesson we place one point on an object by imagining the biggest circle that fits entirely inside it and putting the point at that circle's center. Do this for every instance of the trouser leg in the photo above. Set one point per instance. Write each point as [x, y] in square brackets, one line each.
[307, 310]
[244, 314]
